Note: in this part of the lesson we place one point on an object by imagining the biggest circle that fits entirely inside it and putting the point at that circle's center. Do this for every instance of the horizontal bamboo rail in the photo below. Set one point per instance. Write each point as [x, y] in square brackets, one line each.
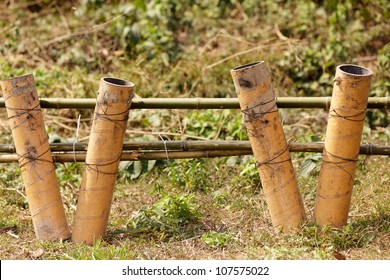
[201, 103]
[155, 150]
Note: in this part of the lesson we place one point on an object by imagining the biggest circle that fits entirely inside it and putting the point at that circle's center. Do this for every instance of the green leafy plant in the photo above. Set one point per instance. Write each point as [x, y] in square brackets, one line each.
[192, 175]
[218, 239]
[70, 172]
[166, 216]
[211, 124]
[311, 165]
[248, 174]
[131, 170]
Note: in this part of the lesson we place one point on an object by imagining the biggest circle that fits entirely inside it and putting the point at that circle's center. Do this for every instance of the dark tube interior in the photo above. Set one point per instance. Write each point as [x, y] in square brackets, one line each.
[247, 65]
[355, 70]
[118, 82]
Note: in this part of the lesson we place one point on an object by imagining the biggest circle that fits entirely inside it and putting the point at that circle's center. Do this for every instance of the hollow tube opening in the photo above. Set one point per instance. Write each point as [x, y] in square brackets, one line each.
[118, 82]
[247, 65]
[355, 70]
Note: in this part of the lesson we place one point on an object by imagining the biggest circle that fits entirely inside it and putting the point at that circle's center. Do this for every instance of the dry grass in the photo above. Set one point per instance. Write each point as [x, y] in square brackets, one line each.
[242, 215]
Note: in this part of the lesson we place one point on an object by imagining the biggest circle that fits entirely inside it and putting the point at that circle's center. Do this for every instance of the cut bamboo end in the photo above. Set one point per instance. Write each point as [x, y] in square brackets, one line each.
[342, 143]
[102, 159]
[270, 149]
[35, 158]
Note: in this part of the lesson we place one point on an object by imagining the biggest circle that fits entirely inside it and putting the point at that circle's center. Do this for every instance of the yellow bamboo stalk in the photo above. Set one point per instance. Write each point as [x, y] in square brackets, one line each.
[35, 158]
[102, 159]
[342, 143]
[269, 145]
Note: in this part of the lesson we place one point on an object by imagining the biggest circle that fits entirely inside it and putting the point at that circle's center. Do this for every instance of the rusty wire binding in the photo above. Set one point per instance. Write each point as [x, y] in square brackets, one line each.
[342, 144]
[30, 155]
[255, 112]
[102, 160]
[270, 149]
[35, 158]
[272, 161]
[103, 106]
[343, 160]
[335, 114]
[23, 112]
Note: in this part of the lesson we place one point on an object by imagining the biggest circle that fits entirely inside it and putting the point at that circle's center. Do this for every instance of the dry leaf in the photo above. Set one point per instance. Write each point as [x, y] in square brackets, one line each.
[37, 253]
[339, 256]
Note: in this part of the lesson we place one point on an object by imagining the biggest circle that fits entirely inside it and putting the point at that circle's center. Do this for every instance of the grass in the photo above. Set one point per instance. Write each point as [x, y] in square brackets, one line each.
[227, 223]
[208, 208]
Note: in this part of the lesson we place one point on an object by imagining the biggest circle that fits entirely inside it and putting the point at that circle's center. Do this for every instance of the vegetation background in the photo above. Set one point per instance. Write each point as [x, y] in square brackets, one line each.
[199, 208]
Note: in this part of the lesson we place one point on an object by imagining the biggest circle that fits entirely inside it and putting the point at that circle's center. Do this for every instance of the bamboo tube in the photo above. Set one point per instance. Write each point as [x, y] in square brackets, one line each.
[35, 159]
[102, 159]
[269, 145]
[342, 142]
[203, 103]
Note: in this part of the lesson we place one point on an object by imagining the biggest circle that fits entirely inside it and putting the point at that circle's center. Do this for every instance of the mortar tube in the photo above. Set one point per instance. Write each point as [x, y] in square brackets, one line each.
[342, 142]
[35, 158]
[102, 159]
[270, 149]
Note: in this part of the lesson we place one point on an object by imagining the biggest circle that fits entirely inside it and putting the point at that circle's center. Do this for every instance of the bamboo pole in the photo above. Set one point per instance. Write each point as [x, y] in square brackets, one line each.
[174, 146]
[202, 103]
[269, 145]
[342, 141]
[102, 159]
[135, 155]
[35, 159]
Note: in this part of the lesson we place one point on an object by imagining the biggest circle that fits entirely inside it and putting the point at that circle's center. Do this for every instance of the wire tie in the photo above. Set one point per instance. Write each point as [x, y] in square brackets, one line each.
[165, 145]
[76, 140]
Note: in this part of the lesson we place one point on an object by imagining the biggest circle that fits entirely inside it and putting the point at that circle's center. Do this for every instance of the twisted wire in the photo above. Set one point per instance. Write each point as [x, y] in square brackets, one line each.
[251, 115]
[22, 112]
[273, 161]
[342, 160]
[335, 114]
[101, 113]
[30, 158]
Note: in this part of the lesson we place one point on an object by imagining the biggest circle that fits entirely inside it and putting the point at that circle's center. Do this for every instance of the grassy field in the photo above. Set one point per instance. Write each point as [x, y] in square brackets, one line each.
[198, 208]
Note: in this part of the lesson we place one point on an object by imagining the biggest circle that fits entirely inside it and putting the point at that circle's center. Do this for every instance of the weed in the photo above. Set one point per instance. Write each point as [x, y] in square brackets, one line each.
[191, 175]
[218, 239]
[166, 217]
[311, 165]
[212, 124]
[131, 170]
[248, 177]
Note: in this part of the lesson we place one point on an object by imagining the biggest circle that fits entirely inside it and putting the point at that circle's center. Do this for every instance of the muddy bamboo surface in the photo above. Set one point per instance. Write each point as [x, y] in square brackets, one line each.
[269, 145]
[35, 158]
[202, 103]
[102, 159]
[342, 142]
